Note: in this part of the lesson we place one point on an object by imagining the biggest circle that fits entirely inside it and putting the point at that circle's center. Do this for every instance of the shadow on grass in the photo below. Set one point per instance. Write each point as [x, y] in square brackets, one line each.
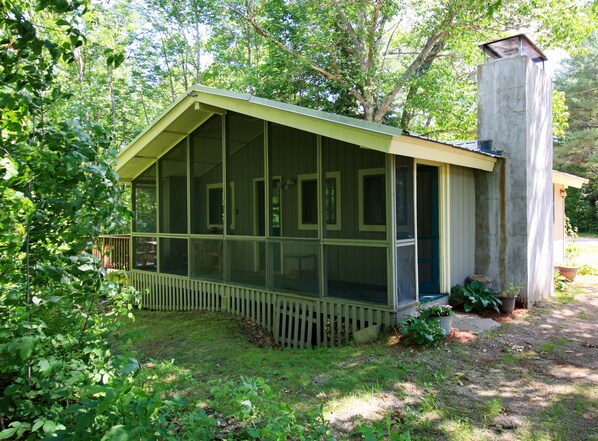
[445, 393]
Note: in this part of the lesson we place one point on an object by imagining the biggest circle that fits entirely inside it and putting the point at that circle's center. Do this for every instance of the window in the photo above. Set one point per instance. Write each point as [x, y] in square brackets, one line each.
[308, 201]
[372, 199]
[215, 205]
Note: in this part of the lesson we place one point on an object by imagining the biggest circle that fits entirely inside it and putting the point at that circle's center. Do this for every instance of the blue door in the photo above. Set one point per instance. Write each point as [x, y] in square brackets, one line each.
[428, 235]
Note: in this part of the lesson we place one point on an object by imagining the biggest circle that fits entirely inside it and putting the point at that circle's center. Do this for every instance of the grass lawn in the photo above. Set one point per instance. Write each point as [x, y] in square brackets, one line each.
[533, 379]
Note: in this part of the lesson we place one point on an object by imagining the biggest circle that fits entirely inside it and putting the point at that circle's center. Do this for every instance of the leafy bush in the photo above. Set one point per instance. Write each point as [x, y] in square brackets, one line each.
[475, 297]
[560, 282]
[587, 270]
[421, 330]
[59, 317]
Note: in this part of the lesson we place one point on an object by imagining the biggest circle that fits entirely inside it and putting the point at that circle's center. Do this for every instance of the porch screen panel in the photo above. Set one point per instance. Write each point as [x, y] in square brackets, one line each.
[245, 162]
[243, 262]
[144, 201]
[344, 161]
[295, 266]
[357, 273]
[293, 210]
[206, 260]
[173, 190]
[173, 256]
[206, 178]
[404, 198]
[144, 253]
[405, 268]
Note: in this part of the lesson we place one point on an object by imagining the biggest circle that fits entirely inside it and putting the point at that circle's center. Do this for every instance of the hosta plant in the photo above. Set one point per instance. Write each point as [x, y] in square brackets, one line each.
[476, 297]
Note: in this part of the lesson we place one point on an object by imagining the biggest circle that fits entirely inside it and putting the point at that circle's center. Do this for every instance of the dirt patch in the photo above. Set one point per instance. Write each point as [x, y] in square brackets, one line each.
[542, 363]
[460, 336]
[535, 376]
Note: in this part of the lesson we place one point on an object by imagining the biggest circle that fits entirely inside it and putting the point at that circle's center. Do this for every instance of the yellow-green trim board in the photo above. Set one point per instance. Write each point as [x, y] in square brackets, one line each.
[199, 103]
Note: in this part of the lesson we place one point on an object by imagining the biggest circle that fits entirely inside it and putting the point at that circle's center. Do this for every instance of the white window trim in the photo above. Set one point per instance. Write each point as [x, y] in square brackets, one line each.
[360, 175]
[337, 226]
[231, 197]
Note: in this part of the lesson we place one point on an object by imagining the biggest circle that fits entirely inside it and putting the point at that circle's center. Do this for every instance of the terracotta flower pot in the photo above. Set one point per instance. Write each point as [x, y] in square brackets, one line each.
[568, 272]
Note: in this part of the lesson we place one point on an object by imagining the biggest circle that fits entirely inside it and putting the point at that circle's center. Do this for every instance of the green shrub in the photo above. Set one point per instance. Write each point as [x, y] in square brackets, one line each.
[475, 297]
[587, 270]
[421, 330]
[560, 282]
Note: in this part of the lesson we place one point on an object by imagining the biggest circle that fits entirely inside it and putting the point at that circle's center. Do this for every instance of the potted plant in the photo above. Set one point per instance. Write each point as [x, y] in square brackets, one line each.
[569, 269]
[508, 297]
[441, 314]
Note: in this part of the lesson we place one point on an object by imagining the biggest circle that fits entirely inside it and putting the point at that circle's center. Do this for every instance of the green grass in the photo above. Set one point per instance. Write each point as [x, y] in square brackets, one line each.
[191, 353]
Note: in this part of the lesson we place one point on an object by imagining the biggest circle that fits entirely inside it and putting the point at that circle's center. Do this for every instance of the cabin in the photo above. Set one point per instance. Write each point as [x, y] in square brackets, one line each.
[316, 226]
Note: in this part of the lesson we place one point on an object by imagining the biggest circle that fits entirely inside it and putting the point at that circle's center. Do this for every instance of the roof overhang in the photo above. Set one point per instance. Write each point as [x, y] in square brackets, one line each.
[199, 103]
[568, 180]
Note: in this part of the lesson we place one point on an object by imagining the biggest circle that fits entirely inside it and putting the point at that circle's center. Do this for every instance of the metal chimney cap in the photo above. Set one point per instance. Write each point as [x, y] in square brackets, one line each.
[513, 46]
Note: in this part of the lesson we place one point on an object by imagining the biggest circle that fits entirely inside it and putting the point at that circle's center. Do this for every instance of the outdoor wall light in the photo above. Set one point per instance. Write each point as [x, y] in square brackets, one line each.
[289, 183]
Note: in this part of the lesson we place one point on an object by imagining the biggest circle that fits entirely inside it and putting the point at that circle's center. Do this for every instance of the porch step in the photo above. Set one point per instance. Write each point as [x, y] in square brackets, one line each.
[433, 299]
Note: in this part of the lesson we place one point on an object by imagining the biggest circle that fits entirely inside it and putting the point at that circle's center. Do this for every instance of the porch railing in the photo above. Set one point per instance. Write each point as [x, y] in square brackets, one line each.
[113, 251]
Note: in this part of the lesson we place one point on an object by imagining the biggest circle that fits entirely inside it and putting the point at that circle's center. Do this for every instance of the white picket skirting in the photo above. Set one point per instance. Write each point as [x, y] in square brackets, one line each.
[295, 321]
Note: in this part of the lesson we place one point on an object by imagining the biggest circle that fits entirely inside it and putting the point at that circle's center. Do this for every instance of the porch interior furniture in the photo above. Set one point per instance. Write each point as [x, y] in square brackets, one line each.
[298, 271]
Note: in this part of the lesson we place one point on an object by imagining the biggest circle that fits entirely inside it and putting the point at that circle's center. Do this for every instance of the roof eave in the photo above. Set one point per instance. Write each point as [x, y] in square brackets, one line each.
[568, 180]
[432, 151]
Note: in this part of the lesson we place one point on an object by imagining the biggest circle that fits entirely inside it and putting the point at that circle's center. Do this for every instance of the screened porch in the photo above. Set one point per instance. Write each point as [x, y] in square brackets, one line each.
[244, 202]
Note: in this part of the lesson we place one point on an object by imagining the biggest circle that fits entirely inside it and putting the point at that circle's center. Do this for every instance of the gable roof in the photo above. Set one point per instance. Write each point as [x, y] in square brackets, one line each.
[199, 103]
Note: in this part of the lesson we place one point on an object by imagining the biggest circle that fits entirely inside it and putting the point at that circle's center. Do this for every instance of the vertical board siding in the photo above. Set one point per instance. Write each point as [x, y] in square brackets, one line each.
[295, 322]
[462, 223]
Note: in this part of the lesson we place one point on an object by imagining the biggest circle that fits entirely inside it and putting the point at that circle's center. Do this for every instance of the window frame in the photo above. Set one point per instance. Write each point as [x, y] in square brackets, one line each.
[231, 198]
[361, 174]
[336, 176]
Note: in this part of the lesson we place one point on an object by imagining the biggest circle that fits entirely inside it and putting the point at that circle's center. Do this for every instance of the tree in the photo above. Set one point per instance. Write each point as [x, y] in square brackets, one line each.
[577, 151]
[59, 315]
[384, 55]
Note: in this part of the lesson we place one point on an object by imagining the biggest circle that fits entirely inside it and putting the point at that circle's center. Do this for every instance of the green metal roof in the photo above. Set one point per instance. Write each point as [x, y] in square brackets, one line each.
[195, 106]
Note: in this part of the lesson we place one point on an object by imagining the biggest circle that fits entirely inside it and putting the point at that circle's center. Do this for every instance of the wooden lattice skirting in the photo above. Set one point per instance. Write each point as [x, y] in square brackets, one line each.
[295, 321]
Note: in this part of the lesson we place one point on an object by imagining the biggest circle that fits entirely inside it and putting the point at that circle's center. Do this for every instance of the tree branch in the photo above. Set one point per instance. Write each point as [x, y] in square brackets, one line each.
[264, 33]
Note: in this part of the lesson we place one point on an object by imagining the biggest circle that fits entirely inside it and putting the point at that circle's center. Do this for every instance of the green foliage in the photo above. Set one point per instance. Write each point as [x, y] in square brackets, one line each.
[577, 152]
[475, 297]
[560, 282]
[387, 429]
[571, 250]
[59, 316]
[512, 291]
[587, 270]
[260, 413]
[582, 206]
[436, 311]
[421, 330]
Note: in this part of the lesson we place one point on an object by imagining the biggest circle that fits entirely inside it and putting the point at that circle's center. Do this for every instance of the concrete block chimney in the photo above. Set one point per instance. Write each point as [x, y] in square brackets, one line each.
[514, 202]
